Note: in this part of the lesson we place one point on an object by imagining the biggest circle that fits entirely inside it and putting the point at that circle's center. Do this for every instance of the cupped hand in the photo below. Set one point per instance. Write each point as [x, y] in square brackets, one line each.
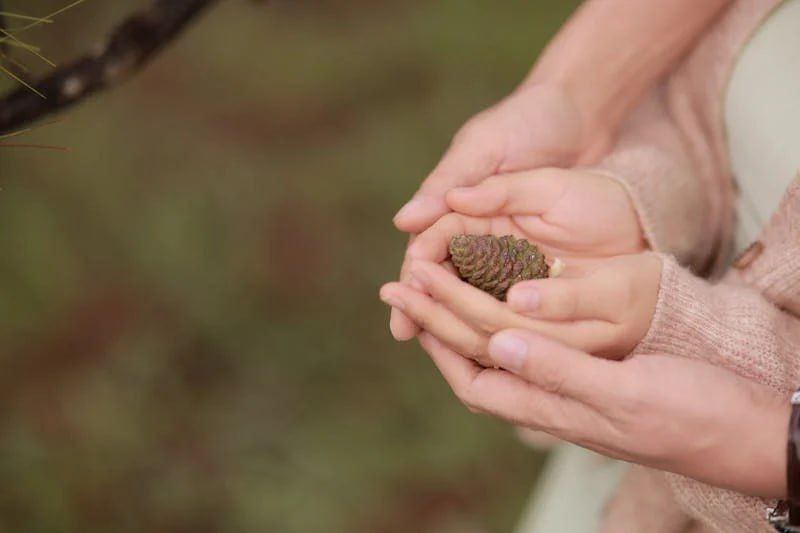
[665, 412]
[538, 125]
[603, 308]
[576, 215]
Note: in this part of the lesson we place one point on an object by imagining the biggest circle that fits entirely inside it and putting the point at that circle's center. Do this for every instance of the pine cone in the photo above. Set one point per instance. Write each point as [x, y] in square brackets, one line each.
[494, 264]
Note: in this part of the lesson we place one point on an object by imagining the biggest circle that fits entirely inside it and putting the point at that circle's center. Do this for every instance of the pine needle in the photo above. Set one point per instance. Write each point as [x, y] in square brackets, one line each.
[20, 44]
[40, 20]
[15, 133]
[34, 52]
[20, 80]
[13, 62]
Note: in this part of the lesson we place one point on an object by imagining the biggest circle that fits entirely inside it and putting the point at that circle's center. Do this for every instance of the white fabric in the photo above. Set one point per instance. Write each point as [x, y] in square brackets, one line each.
[571, 492]
[762, 119]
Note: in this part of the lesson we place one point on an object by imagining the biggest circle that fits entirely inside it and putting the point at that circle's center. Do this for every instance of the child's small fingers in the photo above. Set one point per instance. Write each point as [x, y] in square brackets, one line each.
[584, 298]
[487, 315]
[519, 193]
[436, 319]
[433, 244]
[472, 305]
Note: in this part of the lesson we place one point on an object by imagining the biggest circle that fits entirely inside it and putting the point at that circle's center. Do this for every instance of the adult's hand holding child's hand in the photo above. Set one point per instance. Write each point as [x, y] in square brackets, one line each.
[666, 412]
[603, 308]
[576, 215]
[538, 125]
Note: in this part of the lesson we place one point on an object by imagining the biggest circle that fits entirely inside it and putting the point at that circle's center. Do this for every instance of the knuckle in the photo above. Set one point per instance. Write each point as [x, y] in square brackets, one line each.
[563, 303]
[486, 326]
[475, 347]
[420, 315]
[551, 379]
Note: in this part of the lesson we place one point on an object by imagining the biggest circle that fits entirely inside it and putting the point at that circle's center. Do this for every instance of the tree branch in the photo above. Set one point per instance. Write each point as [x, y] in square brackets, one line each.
[131, 45]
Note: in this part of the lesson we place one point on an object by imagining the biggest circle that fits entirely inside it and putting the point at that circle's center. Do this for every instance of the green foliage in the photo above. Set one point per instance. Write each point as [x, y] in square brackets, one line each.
[191, 334]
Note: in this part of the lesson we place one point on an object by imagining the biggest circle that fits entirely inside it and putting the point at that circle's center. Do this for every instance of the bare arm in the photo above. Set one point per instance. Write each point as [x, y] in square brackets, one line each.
[611, 52]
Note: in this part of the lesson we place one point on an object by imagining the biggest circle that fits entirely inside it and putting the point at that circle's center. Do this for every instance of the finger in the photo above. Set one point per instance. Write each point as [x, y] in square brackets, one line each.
[557, 368]
[582, 298]
[488, 315]
[401, 326]
[433, 244]
[523, 193]
[479, 309]
[469, 159]
[509, 397]
[458, 371]
[437, 320]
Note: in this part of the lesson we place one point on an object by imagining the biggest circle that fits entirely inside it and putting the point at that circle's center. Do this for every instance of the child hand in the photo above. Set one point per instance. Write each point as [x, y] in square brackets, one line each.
[574, 214]
[605, 308]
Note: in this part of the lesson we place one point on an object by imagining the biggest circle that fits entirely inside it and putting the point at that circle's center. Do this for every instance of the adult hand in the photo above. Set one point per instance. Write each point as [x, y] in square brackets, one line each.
[538, 125]
[604, 309]
[576, 215]
[661, 411]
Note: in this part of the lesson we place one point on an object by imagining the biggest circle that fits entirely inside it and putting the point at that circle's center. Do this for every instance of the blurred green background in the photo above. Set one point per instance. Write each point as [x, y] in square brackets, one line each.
[190, 335]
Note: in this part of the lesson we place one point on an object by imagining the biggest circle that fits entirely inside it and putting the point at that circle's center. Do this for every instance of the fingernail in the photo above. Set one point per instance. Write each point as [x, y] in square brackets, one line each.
[411, 206]
[508, 351]
[525, 299]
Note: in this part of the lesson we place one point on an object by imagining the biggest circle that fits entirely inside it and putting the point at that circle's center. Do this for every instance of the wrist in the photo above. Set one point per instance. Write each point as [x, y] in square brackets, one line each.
[596, 127]
[755, 447]
[769, 425]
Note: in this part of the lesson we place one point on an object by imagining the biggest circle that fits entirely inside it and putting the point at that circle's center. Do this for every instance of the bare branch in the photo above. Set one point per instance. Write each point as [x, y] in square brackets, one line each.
[131, 45]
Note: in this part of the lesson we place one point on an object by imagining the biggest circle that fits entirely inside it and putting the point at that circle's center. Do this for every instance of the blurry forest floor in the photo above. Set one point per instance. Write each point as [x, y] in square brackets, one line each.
[190, 330]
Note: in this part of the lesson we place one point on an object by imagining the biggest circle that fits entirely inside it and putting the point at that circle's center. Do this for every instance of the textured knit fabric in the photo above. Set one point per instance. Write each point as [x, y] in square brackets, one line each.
[738, 324]
[671, 156]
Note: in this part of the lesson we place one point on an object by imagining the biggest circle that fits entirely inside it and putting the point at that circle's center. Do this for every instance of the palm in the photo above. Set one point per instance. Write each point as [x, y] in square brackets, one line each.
[571, 214]
[536, 126]
[592, 217]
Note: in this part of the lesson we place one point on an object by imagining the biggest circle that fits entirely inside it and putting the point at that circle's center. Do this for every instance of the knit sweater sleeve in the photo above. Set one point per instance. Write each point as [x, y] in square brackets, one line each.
[678, 207]
[733, 325]
[728, 324]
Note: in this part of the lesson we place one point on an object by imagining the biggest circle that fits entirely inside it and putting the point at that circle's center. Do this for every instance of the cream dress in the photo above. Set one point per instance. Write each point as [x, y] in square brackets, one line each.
[762, 119]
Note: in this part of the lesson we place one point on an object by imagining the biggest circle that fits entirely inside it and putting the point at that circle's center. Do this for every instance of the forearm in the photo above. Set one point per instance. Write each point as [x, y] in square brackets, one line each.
[611, 52]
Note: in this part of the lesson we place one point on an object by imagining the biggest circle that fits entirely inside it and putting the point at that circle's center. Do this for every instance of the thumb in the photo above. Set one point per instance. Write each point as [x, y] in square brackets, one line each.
[556, 368]
[475, 154]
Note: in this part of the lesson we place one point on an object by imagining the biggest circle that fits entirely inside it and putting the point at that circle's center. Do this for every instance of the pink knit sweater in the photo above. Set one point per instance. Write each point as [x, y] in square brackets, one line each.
[672, 158]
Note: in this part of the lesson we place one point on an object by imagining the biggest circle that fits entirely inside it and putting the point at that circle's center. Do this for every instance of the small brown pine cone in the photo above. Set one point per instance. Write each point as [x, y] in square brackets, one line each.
[494, 264]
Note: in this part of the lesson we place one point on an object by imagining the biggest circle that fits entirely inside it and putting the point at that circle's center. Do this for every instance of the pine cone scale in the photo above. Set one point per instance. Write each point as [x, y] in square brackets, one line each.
[495, 264]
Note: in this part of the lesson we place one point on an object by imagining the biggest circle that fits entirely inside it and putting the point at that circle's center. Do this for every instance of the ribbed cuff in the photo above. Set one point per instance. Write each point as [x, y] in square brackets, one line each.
[667, 202]
[680, 317]
[726, 324]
